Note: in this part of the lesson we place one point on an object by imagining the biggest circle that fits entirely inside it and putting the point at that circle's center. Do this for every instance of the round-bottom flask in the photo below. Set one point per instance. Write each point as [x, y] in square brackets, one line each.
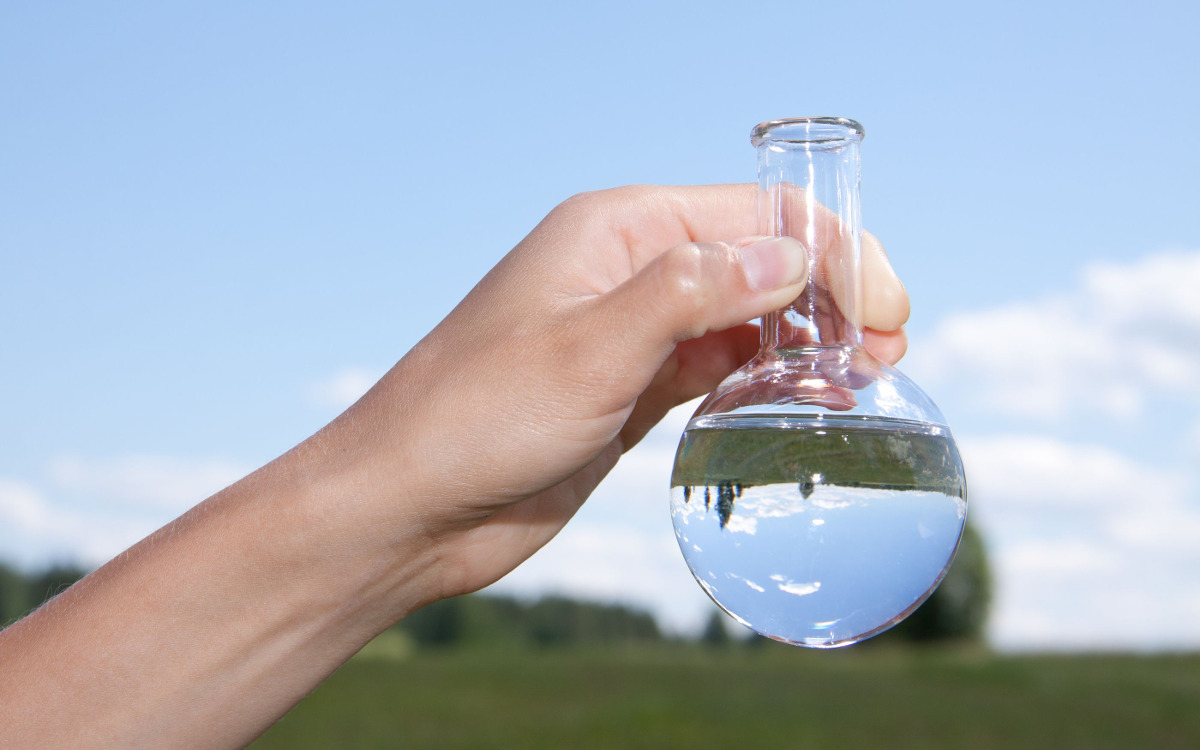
[818, 496]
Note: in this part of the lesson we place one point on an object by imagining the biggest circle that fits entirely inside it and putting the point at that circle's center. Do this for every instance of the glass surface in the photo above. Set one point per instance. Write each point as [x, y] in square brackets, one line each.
[818, 496]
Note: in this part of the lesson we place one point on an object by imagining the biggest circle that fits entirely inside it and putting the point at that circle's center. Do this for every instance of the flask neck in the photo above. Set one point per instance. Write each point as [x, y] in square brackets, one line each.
[813, 320]
[809, 188]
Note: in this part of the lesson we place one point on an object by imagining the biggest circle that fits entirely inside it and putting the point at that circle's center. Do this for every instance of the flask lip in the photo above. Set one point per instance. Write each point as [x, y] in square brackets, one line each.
[807, 130]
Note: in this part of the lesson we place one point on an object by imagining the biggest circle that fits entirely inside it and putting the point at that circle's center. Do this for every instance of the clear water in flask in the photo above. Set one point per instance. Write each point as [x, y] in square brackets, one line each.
[817, 531]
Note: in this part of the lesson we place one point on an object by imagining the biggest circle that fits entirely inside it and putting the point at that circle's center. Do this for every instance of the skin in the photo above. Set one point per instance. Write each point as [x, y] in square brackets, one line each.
[620, 305]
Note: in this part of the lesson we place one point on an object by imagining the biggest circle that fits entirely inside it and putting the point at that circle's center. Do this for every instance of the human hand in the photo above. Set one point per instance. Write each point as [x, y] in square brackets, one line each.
[619, 306]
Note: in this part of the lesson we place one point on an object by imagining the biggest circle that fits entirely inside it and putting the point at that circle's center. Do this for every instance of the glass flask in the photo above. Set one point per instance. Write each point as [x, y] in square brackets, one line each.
[817, 495]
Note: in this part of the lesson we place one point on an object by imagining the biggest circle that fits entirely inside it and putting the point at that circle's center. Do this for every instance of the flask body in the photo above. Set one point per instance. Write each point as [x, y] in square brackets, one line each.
[817, 496]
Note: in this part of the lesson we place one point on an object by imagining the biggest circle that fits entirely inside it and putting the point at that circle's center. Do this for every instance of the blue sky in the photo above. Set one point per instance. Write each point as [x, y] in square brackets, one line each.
[219, 221]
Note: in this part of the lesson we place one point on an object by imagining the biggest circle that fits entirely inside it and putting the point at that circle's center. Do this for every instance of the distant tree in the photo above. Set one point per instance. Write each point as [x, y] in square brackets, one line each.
[612, 623]
[22, 593]
[494, 620]
[439, 624]
[958, 609]
[553, 621]
[51, 582]
[558, 621]
[15, 599]
[714, 633]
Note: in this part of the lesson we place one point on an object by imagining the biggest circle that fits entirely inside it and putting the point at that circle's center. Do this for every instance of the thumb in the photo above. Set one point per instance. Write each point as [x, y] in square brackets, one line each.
[695, 288]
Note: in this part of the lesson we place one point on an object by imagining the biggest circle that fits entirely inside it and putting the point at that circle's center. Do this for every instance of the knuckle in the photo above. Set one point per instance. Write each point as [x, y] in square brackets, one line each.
[578, 207]
[685, 286]
[627, 194]
[610, 200]
[683, 271]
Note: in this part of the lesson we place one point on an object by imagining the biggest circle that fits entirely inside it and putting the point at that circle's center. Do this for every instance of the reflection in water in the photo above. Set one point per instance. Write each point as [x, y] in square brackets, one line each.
[841, 562]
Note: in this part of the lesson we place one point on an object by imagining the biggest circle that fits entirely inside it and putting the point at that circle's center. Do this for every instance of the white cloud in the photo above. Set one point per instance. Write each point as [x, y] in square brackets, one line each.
[1092, 513]
[1090, 548]
[21, 506]
[1059, 557]
[35, 530]
[1035, 468]
[88, 510]
[342, 388]
[153, 482]
[1030, 614]
[1125, 335]
[1157, 290]
[1193, 438]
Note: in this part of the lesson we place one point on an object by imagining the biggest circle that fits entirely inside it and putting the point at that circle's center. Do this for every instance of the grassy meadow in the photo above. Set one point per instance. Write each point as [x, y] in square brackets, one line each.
[772, 696]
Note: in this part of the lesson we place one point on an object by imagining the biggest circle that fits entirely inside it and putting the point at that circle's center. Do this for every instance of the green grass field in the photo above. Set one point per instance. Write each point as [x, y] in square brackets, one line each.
[680, 696]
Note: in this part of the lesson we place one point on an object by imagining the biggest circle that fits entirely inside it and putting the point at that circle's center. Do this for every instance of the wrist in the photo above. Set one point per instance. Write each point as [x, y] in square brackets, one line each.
[350, 513]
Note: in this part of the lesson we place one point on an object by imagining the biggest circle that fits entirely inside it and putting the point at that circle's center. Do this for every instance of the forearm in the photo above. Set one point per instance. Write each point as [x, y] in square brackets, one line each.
[213, 627]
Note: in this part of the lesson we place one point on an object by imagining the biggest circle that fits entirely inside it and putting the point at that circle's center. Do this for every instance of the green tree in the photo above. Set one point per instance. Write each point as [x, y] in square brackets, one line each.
[439, 624]
[22, 593]
[553, 621]
[54, 580]
[15, 598]
[714, 633]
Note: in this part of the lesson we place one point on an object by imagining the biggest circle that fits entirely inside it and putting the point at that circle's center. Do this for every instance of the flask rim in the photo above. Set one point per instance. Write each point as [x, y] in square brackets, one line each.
[807, 130]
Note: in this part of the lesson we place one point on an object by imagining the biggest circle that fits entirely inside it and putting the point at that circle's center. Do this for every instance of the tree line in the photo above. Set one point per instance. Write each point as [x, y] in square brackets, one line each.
[957, 611]
[21, 593]
[553, 621]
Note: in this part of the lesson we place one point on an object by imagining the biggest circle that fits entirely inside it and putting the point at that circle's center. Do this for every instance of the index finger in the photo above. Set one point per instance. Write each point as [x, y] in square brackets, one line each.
[645, 220]
[648, 219]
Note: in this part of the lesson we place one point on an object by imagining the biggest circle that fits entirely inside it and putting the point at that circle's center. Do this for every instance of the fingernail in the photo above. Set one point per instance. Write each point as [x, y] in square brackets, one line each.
[774, 262]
